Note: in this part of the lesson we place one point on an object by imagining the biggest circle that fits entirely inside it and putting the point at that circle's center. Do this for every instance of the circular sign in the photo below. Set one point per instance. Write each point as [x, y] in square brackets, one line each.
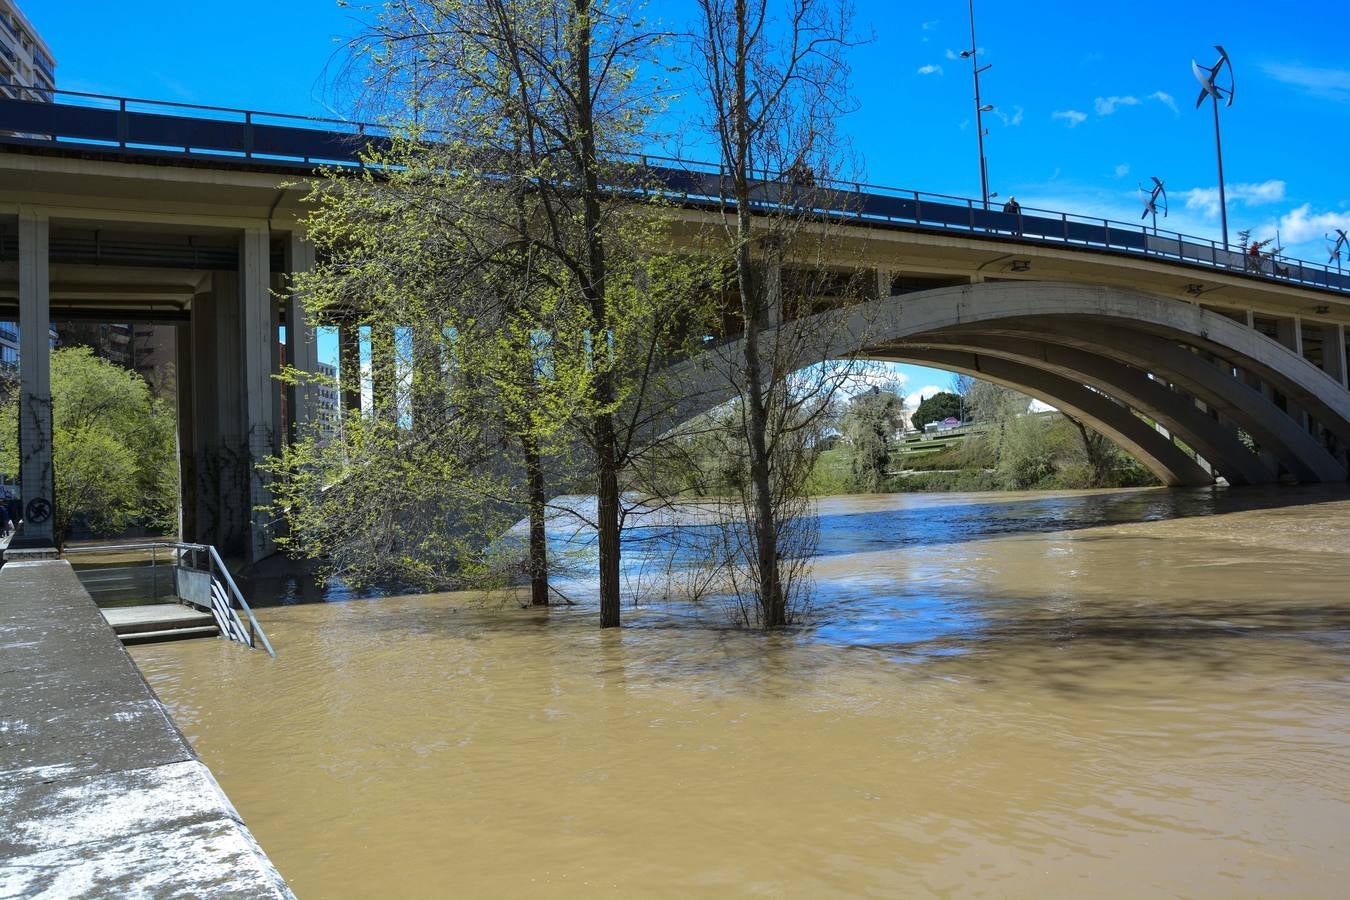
[39, 510]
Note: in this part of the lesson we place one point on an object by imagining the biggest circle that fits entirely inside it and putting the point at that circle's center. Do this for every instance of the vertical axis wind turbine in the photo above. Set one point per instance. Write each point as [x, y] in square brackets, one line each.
[980, 109]
[1209, 87]
[1334, 248]
[1155, 198]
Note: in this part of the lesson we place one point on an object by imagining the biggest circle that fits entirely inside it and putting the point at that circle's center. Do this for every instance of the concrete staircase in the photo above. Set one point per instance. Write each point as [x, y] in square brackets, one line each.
[156, 622]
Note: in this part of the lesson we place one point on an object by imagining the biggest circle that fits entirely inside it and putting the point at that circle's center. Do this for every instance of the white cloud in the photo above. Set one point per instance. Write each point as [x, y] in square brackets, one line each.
[1206, 200]
[1333, 84]
[1122, 170]
[953, 55]
[1302, 224]
[930, 70]
[1166, 100]
[1011, 119]
[1072, 116]
[1105, 106]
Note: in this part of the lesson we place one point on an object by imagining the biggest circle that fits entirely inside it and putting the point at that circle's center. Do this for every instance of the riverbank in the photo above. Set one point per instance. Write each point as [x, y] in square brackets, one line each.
[100, 793]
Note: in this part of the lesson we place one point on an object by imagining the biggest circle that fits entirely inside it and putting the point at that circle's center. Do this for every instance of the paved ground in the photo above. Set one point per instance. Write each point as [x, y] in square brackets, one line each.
[100, 794]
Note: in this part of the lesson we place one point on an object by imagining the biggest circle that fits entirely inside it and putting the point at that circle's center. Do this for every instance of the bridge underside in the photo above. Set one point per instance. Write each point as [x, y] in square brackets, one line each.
[1194, 394]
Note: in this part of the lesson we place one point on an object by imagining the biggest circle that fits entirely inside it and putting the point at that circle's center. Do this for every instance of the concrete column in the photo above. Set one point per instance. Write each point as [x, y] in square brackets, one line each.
[426, 375]
[259, 347]
[1290, 333]
[384, 371]
[302, 342]
[1333, 352]
[35, 386]
[884, 279]
[773, 295]
[349, 368]
[185, 401]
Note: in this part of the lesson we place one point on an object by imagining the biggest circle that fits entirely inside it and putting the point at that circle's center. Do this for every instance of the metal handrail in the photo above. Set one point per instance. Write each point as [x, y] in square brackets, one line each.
[850, 200]
[256, 634]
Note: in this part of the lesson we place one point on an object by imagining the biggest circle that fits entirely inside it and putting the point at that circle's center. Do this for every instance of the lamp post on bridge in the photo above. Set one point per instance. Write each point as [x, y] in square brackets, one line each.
[980, 108]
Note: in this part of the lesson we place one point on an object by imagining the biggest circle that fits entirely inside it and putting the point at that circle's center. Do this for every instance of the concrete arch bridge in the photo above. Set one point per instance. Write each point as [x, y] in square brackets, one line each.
[1194, 394]
[191, 218]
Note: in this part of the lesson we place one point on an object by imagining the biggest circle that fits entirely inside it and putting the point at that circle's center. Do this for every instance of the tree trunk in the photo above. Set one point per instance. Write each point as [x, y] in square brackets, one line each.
[534, 473]
[605, 444]
[772, 603]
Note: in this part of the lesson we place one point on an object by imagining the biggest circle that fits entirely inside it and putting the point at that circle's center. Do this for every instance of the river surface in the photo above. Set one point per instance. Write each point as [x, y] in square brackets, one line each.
[1107, 694]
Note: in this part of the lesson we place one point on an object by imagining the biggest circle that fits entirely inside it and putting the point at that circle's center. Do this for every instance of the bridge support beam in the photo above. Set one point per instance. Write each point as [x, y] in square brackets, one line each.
[302, 346]
[35, 385]
[259, 349]
[349, 368]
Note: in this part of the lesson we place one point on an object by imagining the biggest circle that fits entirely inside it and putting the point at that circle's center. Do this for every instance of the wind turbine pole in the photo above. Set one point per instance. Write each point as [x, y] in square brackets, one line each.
[1223, 201]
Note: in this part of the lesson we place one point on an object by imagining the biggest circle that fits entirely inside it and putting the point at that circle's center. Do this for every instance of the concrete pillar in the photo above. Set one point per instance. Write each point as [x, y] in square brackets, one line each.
[302, 342]
[384, 371]
[1290, 333]
[349, 368]
[1333, 352]
[185, 402]
[885, 278]
[257, 401]
[35, 386]
[426, 375]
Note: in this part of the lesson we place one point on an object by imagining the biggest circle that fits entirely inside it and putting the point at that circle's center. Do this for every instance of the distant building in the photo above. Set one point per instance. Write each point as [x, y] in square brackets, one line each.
[27, 68]
[329, 405]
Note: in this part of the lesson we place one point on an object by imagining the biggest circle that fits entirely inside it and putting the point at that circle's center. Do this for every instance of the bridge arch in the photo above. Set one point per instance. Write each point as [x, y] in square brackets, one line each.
[1101, 353]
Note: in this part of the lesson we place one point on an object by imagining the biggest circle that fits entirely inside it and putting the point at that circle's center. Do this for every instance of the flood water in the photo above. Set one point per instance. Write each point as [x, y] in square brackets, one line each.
[1118, 694]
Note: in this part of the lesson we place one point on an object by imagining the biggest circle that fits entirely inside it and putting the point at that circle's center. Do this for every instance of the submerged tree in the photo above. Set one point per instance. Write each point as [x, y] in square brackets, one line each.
[114, 454]
[508, 234]
[773, 79]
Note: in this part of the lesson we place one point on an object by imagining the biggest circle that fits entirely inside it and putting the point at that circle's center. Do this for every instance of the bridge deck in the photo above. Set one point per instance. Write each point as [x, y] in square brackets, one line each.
[100, 794]
[184, 134]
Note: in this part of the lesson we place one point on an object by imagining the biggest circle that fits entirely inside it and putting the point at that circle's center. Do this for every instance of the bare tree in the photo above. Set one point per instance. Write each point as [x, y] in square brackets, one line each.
[774, 87]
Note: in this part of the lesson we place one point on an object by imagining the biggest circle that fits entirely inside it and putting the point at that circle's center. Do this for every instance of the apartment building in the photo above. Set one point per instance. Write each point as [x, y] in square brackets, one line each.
[27, 67]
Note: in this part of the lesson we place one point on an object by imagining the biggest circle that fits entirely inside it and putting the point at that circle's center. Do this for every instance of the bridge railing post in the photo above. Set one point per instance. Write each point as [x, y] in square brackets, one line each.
[1106, 230]
[970, 207]
[1064, 217]
[122, 123]
[918, 207]
[248, 135]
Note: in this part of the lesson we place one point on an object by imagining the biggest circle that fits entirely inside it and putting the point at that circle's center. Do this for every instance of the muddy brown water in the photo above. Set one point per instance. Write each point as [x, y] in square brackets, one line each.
[1117, 694]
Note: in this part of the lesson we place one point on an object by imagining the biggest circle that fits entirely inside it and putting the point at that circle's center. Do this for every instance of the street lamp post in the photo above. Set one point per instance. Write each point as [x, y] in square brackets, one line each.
[980, 108]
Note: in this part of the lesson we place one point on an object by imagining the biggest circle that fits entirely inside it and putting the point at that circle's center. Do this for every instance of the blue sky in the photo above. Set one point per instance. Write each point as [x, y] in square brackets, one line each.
[1091, 98]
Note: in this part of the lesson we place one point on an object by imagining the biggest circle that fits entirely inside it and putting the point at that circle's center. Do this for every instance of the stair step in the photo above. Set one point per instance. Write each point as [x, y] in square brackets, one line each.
[170, 634]
[128, 620]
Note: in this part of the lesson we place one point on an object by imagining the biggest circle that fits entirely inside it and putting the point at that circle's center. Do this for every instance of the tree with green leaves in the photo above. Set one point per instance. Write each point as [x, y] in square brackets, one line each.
[870, 421]
[509, 244]
[114, 452]
[937, 408]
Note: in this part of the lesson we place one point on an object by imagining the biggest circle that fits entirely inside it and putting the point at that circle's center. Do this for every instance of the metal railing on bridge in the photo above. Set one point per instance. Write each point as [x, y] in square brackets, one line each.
[220, 134]
[190, 573]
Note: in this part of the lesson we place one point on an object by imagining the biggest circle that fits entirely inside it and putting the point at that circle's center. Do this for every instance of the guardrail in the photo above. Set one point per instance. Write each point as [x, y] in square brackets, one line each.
[133, 126]
[219, 594]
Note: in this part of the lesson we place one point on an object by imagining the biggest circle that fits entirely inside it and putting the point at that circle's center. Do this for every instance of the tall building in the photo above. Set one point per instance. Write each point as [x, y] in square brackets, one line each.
[329, 407]
[26, 61]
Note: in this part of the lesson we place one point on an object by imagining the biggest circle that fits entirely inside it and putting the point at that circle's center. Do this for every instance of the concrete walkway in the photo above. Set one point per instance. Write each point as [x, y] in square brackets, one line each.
[100, 793]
